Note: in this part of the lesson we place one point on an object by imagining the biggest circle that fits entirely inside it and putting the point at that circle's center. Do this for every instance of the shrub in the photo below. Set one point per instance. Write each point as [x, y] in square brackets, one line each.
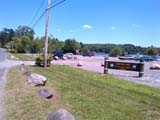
[13, 51]
[40, 60]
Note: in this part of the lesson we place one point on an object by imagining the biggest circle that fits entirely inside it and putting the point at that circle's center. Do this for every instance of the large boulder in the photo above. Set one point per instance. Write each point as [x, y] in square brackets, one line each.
[60, 114]
[36, 80]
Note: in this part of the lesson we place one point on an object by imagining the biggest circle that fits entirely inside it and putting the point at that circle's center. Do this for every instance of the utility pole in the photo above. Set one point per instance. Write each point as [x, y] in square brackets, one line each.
[46, 34]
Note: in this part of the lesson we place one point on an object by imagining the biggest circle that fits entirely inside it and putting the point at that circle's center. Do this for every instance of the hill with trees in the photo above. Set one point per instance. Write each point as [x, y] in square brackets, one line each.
[22, 40]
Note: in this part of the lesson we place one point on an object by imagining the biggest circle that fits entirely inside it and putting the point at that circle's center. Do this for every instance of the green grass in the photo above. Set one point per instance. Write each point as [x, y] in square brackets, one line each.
[19, 56]
[89, 96]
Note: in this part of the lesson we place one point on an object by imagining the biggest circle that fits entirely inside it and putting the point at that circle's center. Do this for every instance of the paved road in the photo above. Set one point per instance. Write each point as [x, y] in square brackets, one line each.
[4, 64]
[2, 59]
[2, 55]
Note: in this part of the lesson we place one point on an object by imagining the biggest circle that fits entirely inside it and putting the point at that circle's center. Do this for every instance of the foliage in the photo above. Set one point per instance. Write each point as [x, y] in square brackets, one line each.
[85, 50]
[40, 59]
[71, 45]
[6, 36]
[116, 51]
[23, 41]
[12, 51]
[152, 51]
[87, 95]
[24, 31]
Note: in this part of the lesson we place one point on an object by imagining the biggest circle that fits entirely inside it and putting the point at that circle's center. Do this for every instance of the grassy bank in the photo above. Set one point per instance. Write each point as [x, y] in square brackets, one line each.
[89, 96]
[19, 56]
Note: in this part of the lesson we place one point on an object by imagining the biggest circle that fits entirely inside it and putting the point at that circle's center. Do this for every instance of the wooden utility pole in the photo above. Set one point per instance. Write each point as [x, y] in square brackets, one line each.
[46, 35]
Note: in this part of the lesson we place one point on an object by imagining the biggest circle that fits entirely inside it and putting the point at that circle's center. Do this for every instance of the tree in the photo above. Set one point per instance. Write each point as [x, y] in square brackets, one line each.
[116, 51]
[152, 51]
[6, 36]
[85, 50]
[24, 31]
[71, 45]
[130, 49]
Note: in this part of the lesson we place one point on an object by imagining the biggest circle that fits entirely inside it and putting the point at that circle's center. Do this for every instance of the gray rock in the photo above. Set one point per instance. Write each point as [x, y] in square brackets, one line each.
[60, 114]
[36, 80]
[46, 93]
[27, 73]
[24, 72]
[79, 63]
[22, 68]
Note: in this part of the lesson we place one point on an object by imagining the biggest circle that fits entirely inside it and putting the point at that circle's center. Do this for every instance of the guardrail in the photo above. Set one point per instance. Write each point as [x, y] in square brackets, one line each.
[129, 66]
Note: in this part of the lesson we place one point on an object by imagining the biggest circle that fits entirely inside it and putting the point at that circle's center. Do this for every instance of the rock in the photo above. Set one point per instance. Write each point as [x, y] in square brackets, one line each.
[12, 57]
[155, 66]
[36, 80]
[60, 114]
[22, 68]
[79, 63]
[24, 72]
[46, 93]
[27, 73]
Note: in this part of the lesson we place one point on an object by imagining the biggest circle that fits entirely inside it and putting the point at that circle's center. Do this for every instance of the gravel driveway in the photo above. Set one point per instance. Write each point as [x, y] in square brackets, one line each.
[2, 70]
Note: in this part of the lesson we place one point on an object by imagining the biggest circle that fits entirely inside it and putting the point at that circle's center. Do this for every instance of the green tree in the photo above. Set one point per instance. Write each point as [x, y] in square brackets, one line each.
[116, 51]
[24, 31]
[130, 49]
[71, 45]
[152, 51]
[85, 50]
[6, 36]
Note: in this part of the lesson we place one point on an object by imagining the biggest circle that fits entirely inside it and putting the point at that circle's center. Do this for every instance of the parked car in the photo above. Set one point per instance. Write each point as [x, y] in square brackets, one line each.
[87, 54]
[59, 54]
[126, 57]
[144, 58]
[157, 58]
[68, 55]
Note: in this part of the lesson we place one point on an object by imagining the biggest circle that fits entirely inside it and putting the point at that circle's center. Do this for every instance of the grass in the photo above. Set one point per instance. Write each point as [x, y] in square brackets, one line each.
[87, 95]
[20, 56]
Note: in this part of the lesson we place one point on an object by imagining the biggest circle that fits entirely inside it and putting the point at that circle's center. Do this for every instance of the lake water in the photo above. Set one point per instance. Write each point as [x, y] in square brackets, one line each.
[101, 54]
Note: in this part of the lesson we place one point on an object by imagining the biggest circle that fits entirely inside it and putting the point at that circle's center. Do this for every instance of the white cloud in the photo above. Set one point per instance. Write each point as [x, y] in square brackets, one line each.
[113, 28]
[87, 26]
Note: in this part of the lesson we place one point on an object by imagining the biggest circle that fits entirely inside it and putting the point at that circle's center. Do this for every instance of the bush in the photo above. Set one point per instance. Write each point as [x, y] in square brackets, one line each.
[40, 60]
[13, 51]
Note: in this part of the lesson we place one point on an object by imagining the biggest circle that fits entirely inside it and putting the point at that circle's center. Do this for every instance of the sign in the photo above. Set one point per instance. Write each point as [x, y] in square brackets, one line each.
[123, 66]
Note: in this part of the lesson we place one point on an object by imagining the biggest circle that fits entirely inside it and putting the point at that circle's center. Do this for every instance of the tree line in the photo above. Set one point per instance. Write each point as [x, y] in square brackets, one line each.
[22, 40]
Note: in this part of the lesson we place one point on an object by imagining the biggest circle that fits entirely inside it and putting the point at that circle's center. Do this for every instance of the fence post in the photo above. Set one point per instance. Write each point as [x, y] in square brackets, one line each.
[141, 68]
[105, 65]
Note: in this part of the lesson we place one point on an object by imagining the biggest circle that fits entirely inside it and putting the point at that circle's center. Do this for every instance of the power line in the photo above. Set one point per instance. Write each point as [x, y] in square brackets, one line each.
[37, 12]
[54, 1]
[46, 10]
[57, 4]
[38, 19]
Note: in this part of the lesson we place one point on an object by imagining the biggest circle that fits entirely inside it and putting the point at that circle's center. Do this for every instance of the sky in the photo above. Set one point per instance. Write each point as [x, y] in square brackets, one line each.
[89, 21]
